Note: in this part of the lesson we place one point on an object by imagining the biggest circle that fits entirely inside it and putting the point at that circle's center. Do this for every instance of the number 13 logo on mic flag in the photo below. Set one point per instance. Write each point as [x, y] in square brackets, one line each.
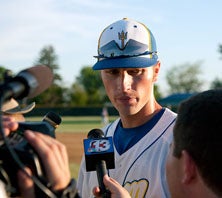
[100, 145]
[97, 149]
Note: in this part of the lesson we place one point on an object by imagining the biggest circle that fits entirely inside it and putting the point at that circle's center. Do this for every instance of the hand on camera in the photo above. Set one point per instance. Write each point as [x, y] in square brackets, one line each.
[55, 161]
[9, 124]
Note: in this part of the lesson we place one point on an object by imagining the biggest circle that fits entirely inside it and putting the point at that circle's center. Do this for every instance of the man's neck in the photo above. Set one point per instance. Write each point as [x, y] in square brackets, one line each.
[140, 118]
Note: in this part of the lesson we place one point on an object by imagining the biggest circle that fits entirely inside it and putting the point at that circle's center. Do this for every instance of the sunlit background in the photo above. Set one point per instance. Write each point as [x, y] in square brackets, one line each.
[185, 31]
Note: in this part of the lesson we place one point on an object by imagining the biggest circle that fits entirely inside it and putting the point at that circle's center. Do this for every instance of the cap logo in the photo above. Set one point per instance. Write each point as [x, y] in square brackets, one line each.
[122, 36]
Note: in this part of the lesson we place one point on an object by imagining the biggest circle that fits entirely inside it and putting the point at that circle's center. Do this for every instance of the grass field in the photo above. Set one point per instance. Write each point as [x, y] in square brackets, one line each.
[71, 132]
[72, 124]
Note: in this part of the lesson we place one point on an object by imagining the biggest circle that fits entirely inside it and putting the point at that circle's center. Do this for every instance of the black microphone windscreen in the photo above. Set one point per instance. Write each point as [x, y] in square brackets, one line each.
[53, 118]
[95, 133]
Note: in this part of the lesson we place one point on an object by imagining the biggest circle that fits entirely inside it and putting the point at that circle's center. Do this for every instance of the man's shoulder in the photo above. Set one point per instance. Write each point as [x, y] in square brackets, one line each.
[170, 112]
[111, 126]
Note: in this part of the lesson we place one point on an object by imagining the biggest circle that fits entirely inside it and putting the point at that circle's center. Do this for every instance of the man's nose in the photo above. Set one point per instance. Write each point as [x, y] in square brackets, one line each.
[125, 82]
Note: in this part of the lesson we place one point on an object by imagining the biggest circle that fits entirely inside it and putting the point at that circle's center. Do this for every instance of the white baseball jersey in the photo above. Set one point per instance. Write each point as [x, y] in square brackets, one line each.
[141, 169]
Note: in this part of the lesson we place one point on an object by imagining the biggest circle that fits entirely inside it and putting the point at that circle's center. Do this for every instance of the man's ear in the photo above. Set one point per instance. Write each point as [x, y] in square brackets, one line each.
[156, 69]
[189, 168]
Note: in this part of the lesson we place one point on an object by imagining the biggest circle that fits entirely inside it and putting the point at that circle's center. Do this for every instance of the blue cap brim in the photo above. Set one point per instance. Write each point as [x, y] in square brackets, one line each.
[125, 62]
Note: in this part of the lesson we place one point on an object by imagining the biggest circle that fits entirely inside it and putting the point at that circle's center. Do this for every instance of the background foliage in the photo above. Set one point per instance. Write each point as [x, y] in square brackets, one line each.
[88, 90]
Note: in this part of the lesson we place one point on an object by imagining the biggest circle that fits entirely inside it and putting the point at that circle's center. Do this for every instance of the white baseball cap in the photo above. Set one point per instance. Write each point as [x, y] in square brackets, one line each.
[12, 107]
[126, 44]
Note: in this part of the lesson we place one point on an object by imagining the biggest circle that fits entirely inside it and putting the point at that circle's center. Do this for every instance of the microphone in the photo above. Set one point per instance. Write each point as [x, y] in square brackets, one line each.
[27, 83]
[47, 126]
[99, 156]
[53, 119]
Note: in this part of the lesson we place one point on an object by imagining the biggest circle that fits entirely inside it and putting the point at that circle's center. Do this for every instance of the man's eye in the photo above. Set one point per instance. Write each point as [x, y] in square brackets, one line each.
[113, 71]
[134, 72]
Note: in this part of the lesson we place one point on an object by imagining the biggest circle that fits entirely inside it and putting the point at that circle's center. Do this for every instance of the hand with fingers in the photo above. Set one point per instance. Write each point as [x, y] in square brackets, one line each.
[117, 191]
[54, 157]
[9, 124]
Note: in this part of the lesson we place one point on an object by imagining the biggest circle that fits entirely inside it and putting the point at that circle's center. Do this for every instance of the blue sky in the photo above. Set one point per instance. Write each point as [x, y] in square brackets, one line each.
[185, 31]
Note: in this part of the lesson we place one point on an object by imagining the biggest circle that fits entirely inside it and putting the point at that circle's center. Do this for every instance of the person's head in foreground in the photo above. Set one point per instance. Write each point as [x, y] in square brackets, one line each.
[195, 160]
[127, 58]
[12, 108]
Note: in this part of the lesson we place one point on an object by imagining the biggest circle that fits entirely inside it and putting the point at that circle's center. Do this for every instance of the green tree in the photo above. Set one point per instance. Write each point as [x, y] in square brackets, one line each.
[54, 95]
[216, 84]
[77, 95]
[220, 49]
[157, 92]
[184, 78]
[4, 73]
[92, 84]
[48, 57]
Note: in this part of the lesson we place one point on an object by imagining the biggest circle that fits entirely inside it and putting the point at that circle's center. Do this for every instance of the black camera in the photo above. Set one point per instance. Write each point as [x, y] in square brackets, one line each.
[23, 151]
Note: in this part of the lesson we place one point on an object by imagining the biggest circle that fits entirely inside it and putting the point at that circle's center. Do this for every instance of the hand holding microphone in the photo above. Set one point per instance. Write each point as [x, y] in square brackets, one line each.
[99, 156]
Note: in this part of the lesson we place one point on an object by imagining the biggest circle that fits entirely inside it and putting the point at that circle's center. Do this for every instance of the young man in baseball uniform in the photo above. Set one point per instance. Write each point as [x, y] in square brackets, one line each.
[127, 58]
